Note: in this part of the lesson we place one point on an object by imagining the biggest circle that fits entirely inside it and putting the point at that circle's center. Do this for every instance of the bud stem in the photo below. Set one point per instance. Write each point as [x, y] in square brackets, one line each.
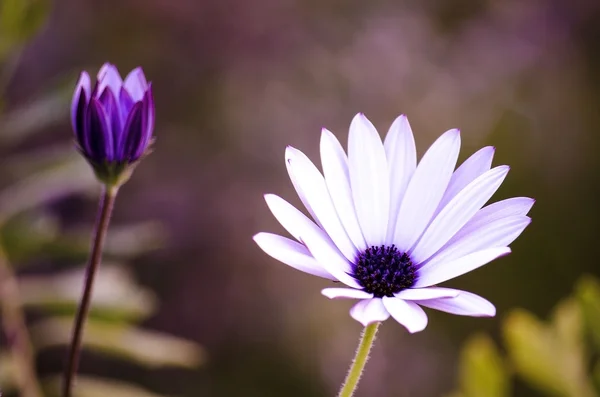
[105, 209]
[360, 359]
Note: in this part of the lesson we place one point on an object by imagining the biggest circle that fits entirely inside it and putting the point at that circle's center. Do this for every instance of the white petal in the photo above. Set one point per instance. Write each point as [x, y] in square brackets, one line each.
[426, 293]
[498, 233]
[501, 209]
[433, 274]
[458, 212]
[426, 188]
[337, 177]
[471, 168]
[408, 314]
[401, 155]
[312, 185]
[299, 191]
[109, 76]
[369, 179]
[465, 304]
[369, 311]
[316, 240]
[291, 253]
[294, 221]
[350, 293]
[136, 84]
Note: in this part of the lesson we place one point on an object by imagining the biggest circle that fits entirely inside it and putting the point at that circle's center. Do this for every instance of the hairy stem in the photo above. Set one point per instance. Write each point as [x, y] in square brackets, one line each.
[360, 359]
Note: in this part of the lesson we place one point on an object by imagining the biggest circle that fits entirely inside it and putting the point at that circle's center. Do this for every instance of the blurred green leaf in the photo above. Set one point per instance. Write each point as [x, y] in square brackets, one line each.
[148, 348]
[116, 296]
[98, 387]
[596, 376]
[46, 186]
[20, 20]
[37, 232]
[6, 372]
[588, 296]
[482, 371]
[550, 357]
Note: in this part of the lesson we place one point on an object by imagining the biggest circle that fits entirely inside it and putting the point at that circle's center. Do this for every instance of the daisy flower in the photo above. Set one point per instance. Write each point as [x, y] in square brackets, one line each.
[390, 229]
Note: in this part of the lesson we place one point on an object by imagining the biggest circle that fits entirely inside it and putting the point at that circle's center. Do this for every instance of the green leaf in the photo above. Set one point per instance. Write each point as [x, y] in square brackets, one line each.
[116, 296]
[149, 348]
[587, 293]
[97, 387]
[550, 356]
[482, 371]
[21, 19]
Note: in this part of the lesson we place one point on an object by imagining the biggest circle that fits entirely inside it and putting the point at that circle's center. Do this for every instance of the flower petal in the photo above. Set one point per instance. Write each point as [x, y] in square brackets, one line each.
[469, 170]
[98, 135]
[109, 103]
[439, 272]
[401, 155]
[426, 188]
[458, 212]
[316, 240]
[498, 233]
[426, 293]
[337, 177]
[501, 209]
[350, 293]
[133, 134]
[464, 304]
[369, 179]
[369, 311]
[136, 84]
[109, 76]
[81, 97]
[311, 184]
[409, 314]
[291, 253]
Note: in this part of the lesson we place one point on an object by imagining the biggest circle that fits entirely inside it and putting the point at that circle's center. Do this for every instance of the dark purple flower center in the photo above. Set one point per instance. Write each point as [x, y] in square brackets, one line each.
[384, 271]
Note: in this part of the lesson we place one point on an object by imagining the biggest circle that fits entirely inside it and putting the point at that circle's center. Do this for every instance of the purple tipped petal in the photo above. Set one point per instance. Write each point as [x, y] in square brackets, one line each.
[98, 140]
[125, 104]
[79, 102]
[113, 113]
[133, 133]
[109, 76]
[136, 84]
[148, 121]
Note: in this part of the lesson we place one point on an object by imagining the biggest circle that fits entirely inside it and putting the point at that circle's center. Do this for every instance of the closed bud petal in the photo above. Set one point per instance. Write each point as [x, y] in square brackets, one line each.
[113, 122]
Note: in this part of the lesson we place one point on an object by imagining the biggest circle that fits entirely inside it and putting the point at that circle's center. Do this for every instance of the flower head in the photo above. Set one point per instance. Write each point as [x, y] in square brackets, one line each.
[391, 229]
[114, 121]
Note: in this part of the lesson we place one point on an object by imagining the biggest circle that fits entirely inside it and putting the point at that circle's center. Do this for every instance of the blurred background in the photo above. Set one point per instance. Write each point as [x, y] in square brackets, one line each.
[187, 304]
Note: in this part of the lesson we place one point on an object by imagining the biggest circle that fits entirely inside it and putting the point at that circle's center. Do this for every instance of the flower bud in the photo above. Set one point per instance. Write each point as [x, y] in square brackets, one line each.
[113, 122]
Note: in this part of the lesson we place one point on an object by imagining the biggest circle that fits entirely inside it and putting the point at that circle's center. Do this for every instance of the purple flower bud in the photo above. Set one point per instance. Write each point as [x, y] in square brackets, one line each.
[114, 121]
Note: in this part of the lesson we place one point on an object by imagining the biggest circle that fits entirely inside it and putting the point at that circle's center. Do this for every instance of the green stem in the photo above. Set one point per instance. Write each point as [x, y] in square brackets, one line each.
[360, 359]
[104, 212]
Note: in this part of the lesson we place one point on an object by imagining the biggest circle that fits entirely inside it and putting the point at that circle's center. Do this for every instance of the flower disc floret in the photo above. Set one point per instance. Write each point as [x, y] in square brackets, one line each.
[384, 271]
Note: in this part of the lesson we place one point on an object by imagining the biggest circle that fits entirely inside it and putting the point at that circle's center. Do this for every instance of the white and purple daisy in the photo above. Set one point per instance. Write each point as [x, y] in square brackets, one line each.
[391, 230]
